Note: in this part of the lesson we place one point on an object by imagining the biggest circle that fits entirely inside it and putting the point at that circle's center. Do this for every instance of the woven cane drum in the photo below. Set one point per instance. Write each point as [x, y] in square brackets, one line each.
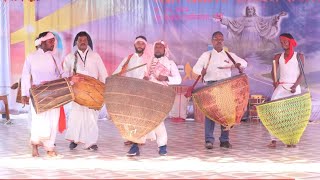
[286, 118]
[137, 106]
[224, 101]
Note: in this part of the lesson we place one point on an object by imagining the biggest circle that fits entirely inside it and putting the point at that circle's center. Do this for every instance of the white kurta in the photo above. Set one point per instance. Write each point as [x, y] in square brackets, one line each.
[289, 74]
[44, 125]
[165, 67]
[135, 61]
[218, 65]
[82, 121]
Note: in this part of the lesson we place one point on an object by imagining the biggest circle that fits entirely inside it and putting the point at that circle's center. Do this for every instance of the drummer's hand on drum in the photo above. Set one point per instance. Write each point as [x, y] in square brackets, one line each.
[293, 88]
[146, 78]
[162, 78]
[203, 72]
[76, 78]
[238, 66]
[24, 100]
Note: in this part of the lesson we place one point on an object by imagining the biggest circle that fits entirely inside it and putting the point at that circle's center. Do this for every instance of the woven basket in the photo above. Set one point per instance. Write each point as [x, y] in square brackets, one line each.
[286, 118]
[224, 101]
[137, 106]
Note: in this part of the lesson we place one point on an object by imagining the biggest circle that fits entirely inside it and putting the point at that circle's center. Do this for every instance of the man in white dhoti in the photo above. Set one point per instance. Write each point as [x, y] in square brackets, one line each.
[290, 78]
[42, 66]
[215, 65]
[251, 33]
[141, 56]
[82, 121]
[162, 71]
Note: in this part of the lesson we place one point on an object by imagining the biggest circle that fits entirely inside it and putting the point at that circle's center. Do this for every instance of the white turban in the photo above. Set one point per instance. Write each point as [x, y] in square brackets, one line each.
[38, 41]
[166, 47]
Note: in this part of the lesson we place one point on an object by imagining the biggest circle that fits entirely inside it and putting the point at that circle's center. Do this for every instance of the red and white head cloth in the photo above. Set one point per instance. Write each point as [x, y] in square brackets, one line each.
[292, 44]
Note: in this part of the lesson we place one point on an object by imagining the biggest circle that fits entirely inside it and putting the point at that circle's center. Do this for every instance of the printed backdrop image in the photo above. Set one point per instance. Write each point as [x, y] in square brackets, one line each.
[251, 29]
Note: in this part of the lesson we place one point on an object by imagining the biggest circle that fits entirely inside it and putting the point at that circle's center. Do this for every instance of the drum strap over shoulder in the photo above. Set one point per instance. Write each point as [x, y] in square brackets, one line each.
[75, 63]
[57, 69]
[234, 62]
[301, 69]
[125, 65]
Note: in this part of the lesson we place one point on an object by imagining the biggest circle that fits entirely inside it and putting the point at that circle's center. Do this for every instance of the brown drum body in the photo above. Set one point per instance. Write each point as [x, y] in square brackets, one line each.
[51, 95]
[19, 97]
[224, 101]
[137, 106]
[89, 92]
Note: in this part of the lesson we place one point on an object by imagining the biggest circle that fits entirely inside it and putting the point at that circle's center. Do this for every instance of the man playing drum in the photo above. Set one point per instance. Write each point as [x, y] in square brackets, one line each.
[213, 66]
[162, 71]
[290, 77]
[43, 67]
[82, 121]
[141, 56]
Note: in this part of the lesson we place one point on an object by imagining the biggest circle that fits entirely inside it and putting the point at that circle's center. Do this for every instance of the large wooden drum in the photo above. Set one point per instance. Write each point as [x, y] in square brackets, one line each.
[137, 106]
[89, 92]
[224, 101]
[286, 118]
[52, 94]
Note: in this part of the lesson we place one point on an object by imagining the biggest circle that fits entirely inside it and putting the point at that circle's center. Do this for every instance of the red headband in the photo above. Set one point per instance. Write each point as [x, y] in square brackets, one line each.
[292, 43]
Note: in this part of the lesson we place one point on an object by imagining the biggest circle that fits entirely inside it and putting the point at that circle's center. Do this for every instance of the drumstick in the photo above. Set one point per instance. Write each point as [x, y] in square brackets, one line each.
[190, 89]
[274, 70]
[130, 69]
[286, 88]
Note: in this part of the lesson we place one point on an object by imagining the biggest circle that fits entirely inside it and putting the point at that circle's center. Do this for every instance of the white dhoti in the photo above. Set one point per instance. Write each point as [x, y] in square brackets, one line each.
[82, 125]
[159, 134]
[282, 91]
[44, 127]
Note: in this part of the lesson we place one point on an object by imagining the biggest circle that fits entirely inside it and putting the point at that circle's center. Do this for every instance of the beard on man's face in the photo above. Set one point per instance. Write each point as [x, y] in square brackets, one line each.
[139, 50]
[158, 55]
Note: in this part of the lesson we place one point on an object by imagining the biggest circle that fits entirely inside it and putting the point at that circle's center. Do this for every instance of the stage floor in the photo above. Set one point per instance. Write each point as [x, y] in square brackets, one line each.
[187, 156]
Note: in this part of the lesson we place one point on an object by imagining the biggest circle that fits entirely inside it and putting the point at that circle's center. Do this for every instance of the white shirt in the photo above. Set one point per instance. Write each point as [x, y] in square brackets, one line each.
[134, 61]
[217, 61]
[88, 63]
[40, 65]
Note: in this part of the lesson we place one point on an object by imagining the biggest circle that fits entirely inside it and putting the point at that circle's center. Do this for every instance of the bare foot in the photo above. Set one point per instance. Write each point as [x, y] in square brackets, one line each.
[272, 144]
[291, 146]
[35, 152]
[52, 153]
